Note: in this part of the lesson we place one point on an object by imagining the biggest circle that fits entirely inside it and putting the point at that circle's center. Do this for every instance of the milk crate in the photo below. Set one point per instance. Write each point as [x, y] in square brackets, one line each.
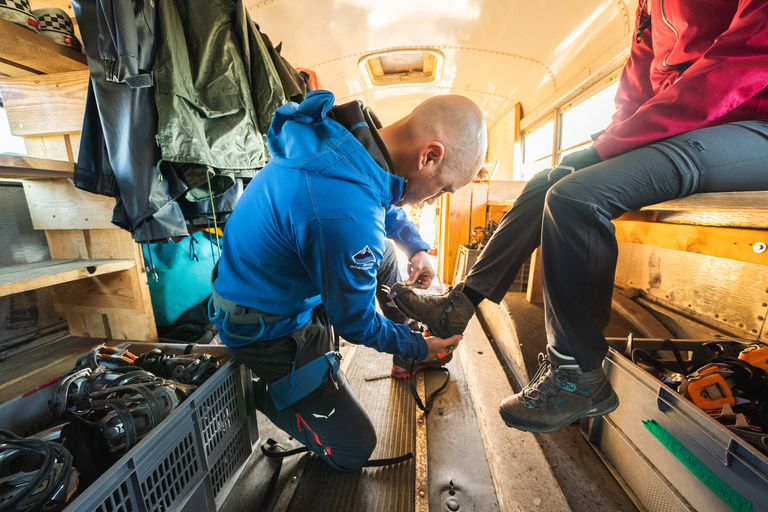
[187, 463]
[671, 454]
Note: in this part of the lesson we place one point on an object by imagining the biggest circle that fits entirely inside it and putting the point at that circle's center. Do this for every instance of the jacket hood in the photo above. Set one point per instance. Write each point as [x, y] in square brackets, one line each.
[303, 137]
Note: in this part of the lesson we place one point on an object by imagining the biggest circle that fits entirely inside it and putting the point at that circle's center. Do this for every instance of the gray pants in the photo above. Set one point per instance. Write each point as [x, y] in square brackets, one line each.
[331, 421]
[571, 219]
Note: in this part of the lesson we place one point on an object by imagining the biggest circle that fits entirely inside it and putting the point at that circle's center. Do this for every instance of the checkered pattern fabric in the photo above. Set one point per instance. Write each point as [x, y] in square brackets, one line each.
[17, 5]
[55, 23]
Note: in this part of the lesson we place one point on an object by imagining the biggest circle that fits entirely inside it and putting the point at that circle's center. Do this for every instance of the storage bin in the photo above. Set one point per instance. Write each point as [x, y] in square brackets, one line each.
[654, 428]
[187, 463]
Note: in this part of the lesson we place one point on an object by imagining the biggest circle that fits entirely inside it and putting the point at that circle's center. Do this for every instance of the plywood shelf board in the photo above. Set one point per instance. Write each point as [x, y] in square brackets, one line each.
[20, 374]
[720, 201]
[28, 168]
[21, 278]
[33, 53]
[45, 104]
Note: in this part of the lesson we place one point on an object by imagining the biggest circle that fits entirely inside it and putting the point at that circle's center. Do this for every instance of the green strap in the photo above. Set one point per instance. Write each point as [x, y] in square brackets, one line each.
[730, 496]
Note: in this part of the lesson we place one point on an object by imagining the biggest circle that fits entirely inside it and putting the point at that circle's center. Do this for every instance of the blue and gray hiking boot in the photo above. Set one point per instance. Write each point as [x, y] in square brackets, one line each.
[559, 394]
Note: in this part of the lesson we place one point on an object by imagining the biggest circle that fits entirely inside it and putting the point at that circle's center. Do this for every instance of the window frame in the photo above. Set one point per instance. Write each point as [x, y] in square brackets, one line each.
[556, 112]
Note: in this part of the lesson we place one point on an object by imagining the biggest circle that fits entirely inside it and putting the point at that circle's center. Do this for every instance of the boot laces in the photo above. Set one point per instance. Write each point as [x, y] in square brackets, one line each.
[545, 384]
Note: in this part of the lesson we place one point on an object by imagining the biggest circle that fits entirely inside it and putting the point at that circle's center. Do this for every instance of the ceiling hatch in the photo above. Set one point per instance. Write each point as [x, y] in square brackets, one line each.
[399, 67]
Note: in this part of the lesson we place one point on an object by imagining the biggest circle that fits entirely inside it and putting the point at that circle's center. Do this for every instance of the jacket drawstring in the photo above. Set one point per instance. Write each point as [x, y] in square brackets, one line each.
[208, 173]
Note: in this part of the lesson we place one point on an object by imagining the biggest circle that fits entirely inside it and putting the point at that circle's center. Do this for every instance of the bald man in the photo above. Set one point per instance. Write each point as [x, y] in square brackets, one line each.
[302, 249]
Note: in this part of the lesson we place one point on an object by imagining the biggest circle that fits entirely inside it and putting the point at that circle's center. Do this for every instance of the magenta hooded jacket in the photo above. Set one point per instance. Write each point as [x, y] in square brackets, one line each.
[700, 63]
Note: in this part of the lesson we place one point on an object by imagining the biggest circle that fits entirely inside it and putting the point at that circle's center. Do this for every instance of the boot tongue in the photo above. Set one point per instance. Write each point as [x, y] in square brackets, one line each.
[560, 360]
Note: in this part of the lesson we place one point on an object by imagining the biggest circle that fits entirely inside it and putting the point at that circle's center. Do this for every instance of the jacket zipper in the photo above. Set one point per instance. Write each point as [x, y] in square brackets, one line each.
[677, 36]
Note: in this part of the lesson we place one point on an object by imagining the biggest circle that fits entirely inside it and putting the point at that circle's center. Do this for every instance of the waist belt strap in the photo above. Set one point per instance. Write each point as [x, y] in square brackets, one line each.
[238, 315]
[302, 381]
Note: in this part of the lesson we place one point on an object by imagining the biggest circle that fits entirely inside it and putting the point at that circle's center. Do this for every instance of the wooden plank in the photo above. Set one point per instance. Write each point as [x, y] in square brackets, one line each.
[99, 295]
[131, 326]
[744, 218]
[112, 244]
[22, 278]
[727, 295]
[67, 244]
[57, 204]
[43, 105]
[535, 292]
[721, 201]
[442, 213]
[8, 70]
[53, 147]
[29, 168]
[19, 374]
[74, 142]
[95, 325]
[35, 53]
[732, 243]
[457, 231]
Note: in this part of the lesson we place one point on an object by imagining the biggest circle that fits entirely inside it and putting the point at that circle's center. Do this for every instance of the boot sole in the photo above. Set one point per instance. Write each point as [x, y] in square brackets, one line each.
[602, 409]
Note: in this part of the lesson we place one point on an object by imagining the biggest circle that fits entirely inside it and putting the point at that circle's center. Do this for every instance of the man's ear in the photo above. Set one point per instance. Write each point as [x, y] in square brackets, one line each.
[431, 154]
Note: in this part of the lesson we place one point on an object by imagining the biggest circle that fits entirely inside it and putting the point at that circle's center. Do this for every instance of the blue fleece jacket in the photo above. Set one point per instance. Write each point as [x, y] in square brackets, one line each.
[310, 229]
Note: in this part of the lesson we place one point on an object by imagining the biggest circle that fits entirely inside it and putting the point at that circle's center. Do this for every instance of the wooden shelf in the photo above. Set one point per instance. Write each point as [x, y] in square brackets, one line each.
[38, 366]
[25, 53]
[28, 168]
[22, 278]
[720, 201]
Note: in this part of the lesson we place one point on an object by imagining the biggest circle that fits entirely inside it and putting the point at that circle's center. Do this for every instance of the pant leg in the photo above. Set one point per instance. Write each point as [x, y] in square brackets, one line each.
[579, 247]
[518, 234]
[387, 275]
[330, 421]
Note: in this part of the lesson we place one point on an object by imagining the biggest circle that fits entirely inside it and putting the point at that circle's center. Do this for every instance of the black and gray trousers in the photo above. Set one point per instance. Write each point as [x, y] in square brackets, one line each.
[571, 219]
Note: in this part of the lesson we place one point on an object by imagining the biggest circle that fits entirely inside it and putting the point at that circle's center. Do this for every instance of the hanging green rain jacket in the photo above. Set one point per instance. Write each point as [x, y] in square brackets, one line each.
[216, 91]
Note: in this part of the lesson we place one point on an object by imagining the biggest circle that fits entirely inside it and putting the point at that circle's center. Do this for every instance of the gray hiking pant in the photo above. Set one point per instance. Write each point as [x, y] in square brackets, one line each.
[571, 219]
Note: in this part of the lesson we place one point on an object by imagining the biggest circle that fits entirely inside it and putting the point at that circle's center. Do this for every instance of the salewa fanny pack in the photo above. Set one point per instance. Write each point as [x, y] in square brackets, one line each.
[303, 381]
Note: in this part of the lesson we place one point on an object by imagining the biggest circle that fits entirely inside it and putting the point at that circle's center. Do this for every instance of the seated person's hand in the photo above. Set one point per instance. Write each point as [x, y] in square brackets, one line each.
[574, 162]
[420, 269]
[443, 346]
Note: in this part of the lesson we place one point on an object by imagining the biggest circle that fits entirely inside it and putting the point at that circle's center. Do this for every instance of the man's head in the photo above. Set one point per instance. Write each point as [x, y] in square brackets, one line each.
[438, 148]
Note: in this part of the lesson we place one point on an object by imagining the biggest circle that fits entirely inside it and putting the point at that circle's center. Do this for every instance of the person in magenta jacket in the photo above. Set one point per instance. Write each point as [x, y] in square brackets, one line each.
[692, 116]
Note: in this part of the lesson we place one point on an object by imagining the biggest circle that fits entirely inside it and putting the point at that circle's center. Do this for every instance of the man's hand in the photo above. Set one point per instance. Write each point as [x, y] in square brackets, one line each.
[443, 346]
[420, 269]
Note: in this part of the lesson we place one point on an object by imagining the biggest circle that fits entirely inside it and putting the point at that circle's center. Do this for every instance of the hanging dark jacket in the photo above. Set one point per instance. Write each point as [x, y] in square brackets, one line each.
[118, 155]
[216, 90]
[294, 86]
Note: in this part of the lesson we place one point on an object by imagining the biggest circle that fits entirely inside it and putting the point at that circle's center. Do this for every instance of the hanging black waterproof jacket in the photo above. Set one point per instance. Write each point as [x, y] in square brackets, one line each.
[118, 154]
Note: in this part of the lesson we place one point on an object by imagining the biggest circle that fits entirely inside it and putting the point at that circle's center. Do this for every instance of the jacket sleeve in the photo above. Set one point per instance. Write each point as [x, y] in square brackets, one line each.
[119, 43]
[730, 72]
[347, 284]
[403, 232]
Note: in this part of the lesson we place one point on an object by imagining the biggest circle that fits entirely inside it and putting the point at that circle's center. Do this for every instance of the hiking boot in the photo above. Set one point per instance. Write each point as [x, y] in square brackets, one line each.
[559, 394]
[444, 315]
[404, 368]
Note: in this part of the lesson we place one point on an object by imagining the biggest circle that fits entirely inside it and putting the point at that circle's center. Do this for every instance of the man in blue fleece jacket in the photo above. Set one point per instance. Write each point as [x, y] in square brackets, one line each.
[302, 248]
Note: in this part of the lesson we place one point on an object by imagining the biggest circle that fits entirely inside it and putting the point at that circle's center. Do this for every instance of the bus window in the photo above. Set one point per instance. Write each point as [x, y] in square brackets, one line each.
[580, 121]
[537, 150]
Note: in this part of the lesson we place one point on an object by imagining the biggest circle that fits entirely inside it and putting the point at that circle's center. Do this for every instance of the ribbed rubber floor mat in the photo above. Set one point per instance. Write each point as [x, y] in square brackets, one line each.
[391, 407]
